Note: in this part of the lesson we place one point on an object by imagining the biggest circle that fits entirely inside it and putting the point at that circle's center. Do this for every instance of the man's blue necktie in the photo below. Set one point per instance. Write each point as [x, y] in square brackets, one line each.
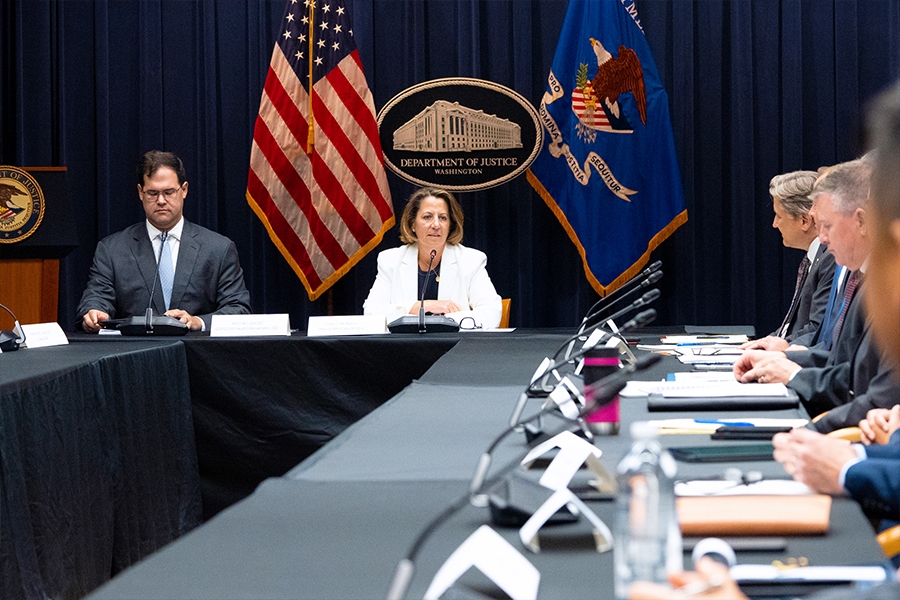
[166, 270]
[832, 310]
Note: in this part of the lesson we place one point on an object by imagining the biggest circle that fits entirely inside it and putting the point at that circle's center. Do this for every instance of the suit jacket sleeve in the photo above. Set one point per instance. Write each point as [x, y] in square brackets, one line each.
[873, 386]
[100, 292]
[384, 298]
[875, 484]
[232, 297]
[479, 295]
[822, 389]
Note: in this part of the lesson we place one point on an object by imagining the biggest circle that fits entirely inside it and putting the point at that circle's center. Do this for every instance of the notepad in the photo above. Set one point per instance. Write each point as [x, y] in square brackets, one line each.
[754, 515]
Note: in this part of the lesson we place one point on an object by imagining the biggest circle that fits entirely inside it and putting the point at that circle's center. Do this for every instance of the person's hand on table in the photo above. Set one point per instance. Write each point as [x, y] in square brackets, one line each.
[711, 580]
[771, 343]
[879, 424]
[92, 319]
[813, 458]
[763, 367]
[436, 307]
[193, 323]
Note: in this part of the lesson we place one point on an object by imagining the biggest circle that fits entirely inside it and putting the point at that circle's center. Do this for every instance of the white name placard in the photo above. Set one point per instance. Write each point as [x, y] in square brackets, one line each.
[41, 335]
[346, 325]
[250, 325]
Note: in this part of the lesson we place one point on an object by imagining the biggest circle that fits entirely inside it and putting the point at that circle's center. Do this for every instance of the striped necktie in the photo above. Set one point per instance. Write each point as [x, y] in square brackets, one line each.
[849, 289]
[802, 273]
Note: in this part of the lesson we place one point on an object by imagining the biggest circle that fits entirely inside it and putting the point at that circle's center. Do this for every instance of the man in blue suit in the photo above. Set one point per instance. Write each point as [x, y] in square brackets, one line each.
[192, 272]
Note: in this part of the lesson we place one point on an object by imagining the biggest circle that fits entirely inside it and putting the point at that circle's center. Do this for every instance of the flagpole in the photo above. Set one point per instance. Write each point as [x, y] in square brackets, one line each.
[311, 135]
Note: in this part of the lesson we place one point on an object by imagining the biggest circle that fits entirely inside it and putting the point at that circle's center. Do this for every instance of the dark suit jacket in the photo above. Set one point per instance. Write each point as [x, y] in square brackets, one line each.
[809, 311]
[208, 276]
[875, 481]
[848, 381]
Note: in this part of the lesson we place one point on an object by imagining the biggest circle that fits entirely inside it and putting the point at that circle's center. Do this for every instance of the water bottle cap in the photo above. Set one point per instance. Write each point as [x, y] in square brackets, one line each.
[642, 430]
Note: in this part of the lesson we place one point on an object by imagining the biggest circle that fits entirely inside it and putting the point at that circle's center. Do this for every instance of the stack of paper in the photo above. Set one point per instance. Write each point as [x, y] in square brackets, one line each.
[703, 339]
[703, 389]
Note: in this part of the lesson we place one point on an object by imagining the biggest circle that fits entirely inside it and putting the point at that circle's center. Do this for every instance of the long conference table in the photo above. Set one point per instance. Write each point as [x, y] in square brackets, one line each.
[109, 447]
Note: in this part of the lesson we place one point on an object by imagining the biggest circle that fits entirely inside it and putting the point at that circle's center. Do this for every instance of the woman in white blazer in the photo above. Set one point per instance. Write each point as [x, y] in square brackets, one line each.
[457, 281]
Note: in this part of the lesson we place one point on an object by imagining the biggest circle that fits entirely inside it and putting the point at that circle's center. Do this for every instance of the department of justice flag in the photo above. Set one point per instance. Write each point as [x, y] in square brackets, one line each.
[608, 170]
[317, 178]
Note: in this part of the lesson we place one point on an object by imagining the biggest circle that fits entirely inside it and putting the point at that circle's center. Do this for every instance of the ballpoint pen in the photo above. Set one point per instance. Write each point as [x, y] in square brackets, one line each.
[728, 423]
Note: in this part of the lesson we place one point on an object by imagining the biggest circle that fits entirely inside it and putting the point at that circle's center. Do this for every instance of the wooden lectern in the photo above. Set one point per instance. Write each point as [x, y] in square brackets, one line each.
[29, 269]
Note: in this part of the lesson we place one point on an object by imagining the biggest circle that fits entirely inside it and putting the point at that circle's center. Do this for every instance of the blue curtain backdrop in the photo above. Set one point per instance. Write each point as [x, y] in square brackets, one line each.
[756, 88]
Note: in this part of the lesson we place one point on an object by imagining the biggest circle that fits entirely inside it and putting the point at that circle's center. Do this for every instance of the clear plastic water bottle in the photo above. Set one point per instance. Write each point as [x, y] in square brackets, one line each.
[647, 536]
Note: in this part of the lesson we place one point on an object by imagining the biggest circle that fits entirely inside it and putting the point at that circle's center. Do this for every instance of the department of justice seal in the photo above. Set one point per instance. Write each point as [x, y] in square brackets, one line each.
[21, 205]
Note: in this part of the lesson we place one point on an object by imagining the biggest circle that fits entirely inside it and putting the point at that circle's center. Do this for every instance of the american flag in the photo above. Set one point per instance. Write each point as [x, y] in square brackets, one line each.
[328, 205]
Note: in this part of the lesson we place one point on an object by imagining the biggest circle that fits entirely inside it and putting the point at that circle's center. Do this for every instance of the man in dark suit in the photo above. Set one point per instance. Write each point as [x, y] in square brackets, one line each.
[199, 272]
[792, 203]
[853, 371]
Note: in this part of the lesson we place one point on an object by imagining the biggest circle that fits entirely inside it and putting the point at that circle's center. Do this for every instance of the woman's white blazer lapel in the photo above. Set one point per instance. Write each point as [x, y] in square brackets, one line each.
[409, 273]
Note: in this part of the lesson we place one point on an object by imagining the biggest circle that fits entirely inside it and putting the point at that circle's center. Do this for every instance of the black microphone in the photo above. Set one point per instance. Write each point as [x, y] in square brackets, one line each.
[148, 314]
[651, 279]
[644, 300]
[10, 340]
[603, 391]
[639, 320]
[637, 279]
[425, 287]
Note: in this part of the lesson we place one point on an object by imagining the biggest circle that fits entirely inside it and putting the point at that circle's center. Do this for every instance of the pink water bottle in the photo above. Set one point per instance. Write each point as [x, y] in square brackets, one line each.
[598, 363]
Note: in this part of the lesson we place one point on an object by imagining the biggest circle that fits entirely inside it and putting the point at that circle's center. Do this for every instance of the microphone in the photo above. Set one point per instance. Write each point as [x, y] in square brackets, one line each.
[425, 287]
[644, 300]
[148, 314]
[601, 393]
[651, 279]
[603, 390]
[10, 340]
[420, 323]
[150, 324]
[640, 279]
[639, 320]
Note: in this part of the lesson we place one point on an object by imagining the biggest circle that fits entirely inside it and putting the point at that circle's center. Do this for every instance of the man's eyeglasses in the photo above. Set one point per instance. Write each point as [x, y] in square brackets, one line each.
[168, 194]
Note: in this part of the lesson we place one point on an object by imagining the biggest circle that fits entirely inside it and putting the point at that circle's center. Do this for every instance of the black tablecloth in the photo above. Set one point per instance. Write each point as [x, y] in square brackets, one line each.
[342, 539]
[337, 524]
[97, 463]
[263, 405]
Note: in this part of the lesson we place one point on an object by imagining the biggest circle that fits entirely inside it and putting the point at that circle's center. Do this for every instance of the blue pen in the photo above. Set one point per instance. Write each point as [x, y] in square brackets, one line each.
[728, 423]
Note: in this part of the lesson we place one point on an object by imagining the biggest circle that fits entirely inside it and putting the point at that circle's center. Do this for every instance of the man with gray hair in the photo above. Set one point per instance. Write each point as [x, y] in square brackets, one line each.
[792, 203]
[852, 378]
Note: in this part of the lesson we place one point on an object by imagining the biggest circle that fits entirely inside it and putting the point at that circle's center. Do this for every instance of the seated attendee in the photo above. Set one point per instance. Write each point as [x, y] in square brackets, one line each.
[852, 378]
[792, 203]
[829, 465]
[457, 281]
[199, 273]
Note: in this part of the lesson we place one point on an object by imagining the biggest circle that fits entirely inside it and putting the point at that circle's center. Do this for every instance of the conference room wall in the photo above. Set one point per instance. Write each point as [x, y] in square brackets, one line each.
[755, 89]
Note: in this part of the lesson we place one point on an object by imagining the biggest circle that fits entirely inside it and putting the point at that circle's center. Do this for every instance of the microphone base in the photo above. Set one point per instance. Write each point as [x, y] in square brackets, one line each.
[8, 341]
[158, 326]
[433, 324]
[519, 499]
